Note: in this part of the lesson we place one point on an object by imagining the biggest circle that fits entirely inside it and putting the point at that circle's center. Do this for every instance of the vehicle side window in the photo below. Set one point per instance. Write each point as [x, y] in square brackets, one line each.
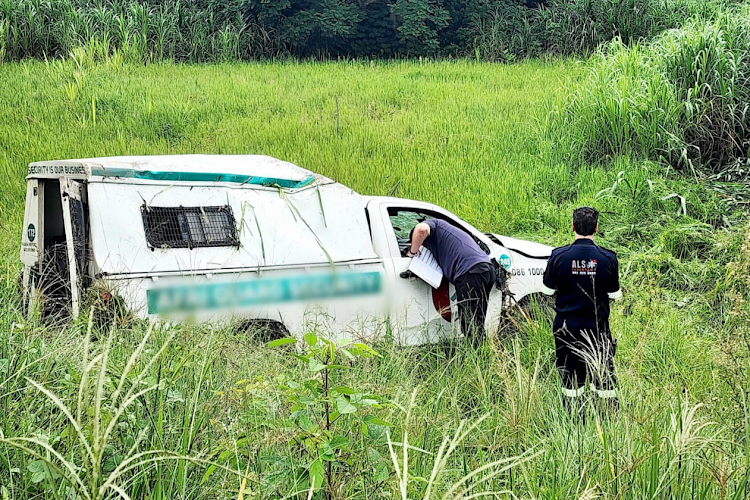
[189, 227]
[403, 221]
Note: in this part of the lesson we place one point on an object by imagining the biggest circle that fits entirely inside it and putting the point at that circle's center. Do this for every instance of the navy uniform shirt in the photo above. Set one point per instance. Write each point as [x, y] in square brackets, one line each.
[584, 276]
[455, 251]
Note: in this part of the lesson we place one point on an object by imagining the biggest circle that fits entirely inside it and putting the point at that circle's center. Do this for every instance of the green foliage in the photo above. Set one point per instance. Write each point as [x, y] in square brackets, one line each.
[96, 427]
[140, 29]
[419, 24]
[707, 65]
[504, 31]
[625, 107]
[306, 28]
[474, 483]
[332, 424]
[580, 26]
[206, 30]
[683, 99]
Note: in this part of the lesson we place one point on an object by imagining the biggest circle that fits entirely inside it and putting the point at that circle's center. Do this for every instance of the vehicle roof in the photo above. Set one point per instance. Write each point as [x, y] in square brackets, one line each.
[243, 169]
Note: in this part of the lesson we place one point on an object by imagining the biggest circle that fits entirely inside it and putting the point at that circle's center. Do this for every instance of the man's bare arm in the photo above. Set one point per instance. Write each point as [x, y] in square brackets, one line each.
[421, 232]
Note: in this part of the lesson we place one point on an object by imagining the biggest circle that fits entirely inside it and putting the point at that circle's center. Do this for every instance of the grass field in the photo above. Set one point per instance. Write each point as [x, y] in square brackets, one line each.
[460, 122]
[474, 138]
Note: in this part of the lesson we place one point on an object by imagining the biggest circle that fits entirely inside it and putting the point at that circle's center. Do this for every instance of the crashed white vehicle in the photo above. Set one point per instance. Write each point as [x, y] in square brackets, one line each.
[251, 238]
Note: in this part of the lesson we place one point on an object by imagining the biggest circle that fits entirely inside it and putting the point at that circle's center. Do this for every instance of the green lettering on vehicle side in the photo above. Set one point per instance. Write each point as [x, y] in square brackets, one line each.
[188, 298]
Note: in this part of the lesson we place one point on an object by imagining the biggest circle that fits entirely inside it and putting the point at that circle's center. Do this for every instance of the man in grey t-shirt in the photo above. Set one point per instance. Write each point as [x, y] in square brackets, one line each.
[465, 265]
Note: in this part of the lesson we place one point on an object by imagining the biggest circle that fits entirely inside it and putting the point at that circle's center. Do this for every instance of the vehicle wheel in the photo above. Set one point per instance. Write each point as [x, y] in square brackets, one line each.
[262, 330]
[536, 308]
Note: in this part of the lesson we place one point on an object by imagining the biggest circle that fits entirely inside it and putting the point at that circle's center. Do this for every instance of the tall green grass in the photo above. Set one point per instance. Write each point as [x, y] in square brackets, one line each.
[140, 30]
[683, 99]
[579, 27]
[219, 398]
[473, 138]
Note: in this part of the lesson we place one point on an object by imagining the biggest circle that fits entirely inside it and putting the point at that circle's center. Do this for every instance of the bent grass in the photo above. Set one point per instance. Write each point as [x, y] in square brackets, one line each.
[467, 487]
[83, 469]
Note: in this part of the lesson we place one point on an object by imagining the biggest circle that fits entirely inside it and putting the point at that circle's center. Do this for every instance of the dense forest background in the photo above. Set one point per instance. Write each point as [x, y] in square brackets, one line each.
[210, 30]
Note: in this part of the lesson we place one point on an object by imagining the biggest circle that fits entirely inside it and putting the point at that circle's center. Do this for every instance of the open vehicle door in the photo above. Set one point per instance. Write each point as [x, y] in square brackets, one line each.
[32, 240]
[414, 317]
[423, 314]
[75, 219]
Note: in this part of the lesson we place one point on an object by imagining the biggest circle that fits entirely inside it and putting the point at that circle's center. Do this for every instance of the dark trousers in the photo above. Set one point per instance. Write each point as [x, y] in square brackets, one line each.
[584, 352]
[472, 292]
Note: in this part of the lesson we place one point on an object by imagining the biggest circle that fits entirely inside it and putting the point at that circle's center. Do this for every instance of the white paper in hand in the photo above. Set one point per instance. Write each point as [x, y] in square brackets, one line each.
[426, 267]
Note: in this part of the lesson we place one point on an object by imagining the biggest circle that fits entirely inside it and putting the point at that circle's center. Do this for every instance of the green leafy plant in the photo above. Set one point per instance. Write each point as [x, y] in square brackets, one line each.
[331, 424]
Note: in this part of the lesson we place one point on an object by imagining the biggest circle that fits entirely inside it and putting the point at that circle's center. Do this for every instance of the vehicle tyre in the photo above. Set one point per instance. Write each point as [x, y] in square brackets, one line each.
[262, 330]
[537, 307]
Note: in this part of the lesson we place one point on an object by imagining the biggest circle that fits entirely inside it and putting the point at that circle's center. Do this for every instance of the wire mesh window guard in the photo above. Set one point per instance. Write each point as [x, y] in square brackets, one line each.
[189, 227]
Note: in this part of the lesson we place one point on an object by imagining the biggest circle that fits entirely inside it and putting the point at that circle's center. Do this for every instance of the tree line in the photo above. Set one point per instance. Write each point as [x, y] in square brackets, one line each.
[209, 30]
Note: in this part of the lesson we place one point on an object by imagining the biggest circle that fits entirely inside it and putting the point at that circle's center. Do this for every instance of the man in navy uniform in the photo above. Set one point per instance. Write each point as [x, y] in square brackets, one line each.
[465, 265]
[585, 277]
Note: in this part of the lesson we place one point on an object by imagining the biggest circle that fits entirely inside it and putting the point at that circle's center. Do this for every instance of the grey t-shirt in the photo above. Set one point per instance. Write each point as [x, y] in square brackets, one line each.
[454, 250]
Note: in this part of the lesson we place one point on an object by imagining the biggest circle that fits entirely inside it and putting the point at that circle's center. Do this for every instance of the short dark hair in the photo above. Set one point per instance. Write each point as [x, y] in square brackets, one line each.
[585, 220]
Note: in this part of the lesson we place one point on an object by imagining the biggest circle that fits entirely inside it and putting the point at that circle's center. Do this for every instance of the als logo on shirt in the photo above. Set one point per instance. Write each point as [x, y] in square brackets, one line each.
[583, 267]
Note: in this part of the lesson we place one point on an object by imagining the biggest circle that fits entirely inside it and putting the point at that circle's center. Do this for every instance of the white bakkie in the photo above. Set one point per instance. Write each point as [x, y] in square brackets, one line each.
[218, 238]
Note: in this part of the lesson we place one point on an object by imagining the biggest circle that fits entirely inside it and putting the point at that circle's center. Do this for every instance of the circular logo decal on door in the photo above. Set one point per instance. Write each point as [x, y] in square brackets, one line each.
[31, 232]
[505, 261]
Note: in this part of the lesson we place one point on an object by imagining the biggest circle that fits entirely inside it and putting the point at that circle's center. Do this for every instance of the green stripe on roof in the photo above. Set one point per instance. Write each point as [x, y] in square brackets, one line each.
[128, 173]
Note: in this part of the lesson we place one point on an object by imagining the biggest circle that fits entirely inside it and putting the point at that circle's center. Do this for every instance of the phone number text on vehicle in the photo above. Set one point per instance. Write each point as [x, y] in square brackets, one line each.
[531, 271]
